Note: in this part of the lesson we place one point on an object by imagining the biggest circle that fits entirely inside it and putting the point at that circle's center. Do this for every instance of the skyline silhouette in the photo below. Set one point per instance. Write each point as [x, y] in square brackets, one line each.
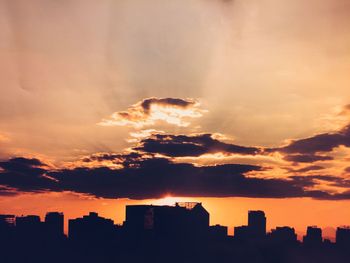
[147, 226]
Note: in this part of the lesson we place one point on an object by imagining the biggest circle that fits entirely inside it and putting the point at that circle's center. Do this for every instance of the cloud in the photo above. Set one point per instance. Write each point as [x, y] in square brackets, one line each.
[306, 158]
[150, 177]
[160, 164]
[152, 110]
[313, 180]
[26, 175]
[308, 169]
[5, 191]
[190, 145]
[325, 142]
[144, 133]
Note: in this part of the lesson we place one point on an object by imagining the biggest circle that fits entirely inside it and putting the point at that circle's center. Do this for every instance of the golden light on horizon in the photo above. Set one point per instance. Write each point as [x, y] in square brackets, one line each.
[170, 200]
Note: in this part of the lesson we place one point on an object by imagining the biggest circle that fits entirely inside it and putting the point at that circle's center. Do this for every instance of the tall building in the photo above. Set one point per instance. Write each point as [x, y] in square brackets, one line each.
[313, 236]
[181, 220]
[255, 230]
[343, 236]
[54, 224]
[257, 224]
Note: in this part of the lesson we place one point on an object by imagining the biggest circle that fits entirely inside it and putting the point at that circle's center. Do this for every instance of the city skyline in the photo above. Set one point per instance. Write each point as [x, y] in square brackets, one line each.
[256, 220]
[251, 215]
[155, 232]
[240, 105]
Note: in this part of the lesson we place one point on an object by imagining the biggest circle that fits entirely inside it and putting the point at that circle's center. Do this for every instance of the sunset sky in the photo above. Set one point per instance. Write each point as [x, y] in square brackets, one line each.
[239, 104]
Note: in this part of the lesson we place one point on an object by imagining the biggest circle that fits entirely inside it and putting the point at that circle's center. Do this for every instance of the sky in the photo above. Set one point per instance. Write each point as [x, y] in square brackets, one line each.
[239, 104]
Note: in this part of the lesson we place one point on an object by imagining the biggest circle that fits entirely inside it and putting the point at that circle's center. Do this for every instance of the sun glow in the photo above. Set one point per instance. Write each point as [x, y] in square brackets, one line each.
[170, 200]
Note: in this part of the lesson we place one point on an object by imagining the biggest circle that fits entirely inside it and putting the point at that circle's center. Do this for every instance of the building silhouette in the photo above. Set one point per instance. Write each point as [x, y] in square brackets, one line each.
[343, 237]
[313, 236]
[255, 230]
[218, 232]
[54, 224]
[7, 221]
[29, 226]
[257, 224]
[242, 233]
[7, 227]
[283, 235]
[179, 233]
[181, 220]
[91, 228]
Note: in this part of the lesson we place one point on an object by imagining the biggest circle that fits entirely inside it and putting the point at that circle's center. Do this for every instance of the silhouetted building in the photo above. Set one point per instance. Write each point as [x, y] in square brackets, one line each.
[179, 233]
[181, 220]
[218, 232]
[29, 225]
[7, 226]
[283, 235]
[7, 221]
[139, 218]
[91, 228]
[313, 236]
[257, 224]
[54, 224]
[343, 236]
[255, 230]
[242, 233]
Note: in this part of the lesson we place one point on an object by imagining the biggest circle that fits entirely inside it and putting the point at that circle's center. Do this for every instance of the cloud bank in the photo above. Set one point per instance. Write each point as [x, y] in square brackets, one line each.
[150, 177]
[160, 164]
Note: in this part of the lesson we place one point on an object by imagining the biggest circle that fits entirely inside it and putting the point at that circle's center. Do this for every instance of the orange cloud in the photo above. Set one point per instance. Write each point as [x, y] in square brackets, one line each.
[152, 110]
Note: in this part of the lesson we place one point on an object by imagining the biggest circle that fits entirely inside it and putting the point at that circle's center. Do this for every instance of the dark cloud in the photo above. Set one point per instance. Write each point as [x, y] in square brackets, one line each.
[306, 158]
[347, 169]
[325, 142]
[5, 191]
[151, 177]
[186, 145]
[326, 196]
[23, 166]
[126, 160]
[26, 175]
[180, 103]
[312, 180]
